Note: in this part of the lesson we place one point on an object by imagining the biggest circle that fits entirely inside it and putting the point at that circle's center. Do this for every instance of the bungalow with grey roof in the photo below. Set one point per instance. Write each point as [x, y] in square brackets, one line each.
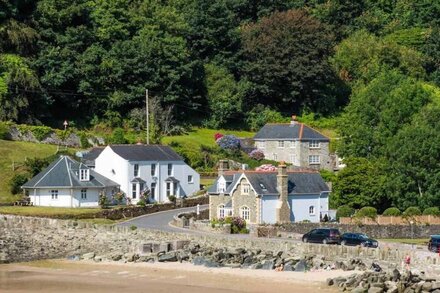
[269, 197]
[68, 183]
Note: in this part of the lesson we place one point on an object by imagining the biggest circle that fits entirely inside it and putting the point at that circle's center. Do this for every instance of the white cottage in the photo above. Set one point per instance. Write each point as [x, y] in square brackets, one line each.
[68, 183]
[139, 167]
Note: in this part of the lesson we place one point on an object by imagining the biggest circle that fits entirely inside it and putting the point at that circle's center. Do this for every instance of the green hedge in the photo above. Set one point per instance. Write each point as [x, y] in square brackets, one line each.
[392, 212]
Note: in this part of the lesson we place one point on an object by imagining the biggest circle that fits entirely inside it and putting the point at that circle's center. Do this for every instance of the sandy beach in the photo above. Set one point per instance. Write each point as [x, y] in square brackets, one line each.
[73, 276]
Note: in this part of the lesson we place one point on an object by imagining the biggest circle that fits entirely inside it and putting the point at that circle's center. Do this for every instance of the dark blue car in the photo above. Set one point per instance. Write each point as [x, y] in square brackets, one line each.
[358, 239]
[434, 243]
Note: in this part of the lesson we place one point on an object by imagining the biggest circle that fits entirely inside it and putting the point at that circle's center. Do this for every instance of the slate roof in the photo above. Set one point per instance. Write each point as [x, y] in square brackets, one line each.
[137, 152]
[172, 179]
[138, 180]
[297, 131]
[64, 172]
[90, 157]
[265, 183]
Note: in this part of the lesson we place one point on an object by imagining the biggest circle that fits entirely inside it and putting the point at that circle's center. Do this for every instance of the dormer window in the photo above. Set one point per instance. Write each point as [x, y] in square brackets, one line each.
[221, 187]
[262, 186]
[84, 175]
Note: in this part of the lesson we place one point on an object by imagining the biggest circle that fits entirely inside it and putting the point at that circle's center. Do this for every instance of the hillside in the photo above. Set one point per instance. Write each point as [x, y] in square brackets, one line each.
[16, 152]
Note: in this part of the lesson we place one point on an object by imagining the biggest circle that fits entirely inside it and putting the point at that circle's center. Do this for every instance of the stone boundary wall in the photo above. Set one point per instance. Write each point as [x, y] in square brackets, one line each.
[26, 239]
[374, 231]
[200, 223]
[392, 220]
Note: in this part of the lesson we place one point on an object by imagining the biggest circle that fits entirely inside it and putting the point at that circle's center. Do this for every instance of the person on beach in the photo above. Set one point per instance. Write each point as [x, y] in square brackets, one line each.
[407, 262]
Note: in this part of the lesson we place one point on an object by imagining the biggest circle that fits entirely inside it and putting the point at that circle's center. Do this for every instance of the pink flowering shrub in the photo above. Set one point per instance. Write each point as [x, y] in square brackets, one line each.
[217, 136]
[256, 155]
[266, 168]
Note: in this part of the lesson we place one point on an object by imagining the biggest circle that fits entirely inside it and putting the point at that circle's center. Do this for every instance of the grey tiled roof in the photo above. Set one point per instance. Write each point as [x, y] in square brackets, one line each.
[137, 152]
[172, 179]
[265, 183]
[297, 131]
[63, 172]
[90, 157]
[138, 180]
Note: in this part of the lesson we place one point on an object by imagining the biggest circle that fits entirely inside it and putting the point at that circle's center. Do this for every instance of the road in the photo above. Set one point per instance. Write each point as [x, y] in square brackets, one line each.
[161, 220]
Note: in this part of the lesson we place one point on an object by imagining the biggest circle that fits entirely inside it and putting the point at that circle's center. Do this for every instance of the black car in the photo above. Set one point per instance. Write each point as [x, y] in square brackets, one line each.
[434, 243]
[322, 235]
[358, 239]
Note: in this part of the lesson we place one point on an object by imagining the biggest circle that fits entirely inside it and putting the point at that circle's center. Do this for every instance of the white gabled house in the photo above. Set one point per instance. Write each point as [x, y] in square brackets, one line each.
[68, 183]
[140, 167]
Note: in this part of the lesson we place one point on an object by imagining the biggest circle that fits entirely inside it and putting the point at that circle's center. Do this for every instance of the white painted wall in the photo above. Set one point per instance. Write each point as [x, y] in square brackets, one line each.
[121, 171]
[300, 207]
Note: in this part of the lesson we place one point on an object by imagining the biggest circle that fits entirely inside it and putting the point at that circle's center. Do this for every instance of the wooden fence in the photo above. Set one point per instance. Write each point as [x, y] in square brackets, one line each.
[393, 220]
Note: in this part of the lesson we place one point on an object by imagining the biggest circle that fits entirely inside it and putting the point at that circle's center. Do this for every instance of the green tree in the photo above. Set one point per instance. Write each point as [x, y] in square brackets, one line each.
[286, 60]
[392, 212]
[344, 211]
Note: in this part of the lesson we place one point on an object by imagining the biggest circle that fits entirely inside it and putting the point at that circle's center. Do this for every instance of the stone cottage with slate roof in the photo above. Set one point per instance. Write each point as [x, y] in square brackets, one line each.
[269, 197]
[138, 168]
[68, 183]
[295, 143]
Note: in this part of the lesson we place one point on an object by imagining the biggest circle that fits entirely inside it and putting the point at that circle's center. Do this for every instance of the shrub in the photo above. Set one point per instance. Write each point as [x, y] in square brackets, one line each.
[261, 115]
[119, 197]
[433, 211]
[229, 142]
[83, 140]
[257, 155]
[118, 136]
[368, 212]
[217, 136]
[412, 211]
[172, 198]
[133, 227]
[40, 132]
[16, 182]
[103, 201]
[266, 168]
[4, 130]
[344, 211]
[392, 212]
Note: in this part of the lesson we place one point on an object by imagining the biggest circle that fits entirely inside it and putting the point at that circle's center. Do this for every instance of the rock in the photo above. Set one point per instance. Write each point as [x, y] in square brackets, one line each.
[268, 265]
[198, 261]
[436, 291]
[129, 257]
[435, 285]
[339, 280]
[88, 256]
[288, 268]
[211, 264]
[116, 256]
[232, 265]
[301, 266]
[170, 256]
[396, 275]
[329, 282]
[256, 266]
[359, 290]
[98, 258]
[375, 290]
[427, 286]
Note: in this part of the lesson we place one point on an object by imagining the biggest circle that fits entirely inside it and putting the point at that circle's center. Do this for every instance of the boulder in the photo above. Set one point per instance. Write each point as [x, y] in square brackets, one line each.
[170, 256]
[198, 261]
[268, 265]
[375, 290]
[329, 282]
[211, 264]
[359, 289]
[301, 266]
[288, 268]
[435, 285]
[88, 256]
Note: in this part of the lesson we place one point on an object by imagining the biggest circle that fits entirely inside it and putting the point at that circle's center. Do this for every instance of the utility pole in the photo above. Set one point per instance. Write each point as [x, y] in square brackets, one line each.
[148, 116]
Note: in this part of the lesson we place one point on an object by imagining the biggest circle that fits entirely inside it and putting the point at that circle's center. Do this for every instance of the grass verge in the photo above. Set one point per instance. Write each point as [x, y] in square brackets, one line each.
[50, 212]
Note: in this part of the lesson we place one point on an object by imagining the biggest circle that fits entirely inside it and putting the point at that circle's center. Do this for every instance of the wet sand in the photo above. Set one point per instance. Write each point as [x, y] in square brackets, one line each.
[71, 277]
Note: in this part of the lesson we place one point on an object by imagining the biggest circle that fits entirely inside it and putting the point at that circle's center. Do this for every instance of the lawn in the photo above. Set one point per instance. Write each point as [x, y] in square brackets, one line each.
[51, 212]
[422, 241]
[17, 152]
[203, 136]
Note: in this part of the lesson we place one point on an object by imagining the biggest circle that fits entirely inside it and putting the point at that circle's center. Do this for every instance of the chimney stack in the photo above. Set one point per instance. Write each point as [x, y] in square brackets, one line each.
[283, 207]
[223, 165]
[293, 120]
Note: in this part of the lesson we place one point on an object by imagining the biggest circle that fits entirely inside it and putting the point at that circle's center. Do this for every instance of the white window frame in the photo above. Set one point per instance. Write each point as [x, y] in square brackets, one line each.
[168, 188]
[153, 169]
[312, 210]
[84, 175]
[221, 211]
[245, 188]
[314, 144]
[275, 156]
[83, 193]
[54, 194]
[292, 158]
[313, 161]
[292, 144]
[281, 144]
[136, 170]
[245, 213]
[170, 169]
[134, 190]
[190, 179]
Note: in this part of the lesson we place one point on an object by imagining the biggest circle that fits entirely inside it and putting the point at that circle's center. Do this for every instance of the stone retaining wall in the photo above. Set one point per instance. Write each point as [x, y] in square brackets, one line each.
[393, 220]
[26, 239]
[374, 231]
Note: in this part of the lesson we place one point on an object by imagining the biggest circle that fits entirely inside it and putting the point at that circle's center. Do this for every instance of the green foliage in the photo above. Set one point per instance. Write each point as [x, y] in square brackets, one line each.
[133, 227]
[83, 139]
[344, 211]
[260, 115]
[368, 212]
[412, 211]
[118, 136]
[433, 211]
[4, 130]
[40, 132]
[392, 212]
[16, 182]
[172, 198]
[327, 175]
[36, 165]
[103, 201]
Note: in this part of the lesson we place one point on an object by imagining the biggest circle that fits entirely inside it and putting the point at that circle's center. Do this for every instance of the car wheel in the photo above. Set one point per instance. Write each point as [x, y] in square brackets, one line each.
[305, 240]
[325, 241]
[343, 242]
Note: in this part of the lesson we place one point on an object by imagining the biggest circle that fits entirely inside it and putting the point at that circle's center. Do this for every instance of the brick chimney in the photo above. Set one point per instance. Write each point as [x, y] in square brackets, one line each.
[293, 121]
[223, 165]
[283, 207]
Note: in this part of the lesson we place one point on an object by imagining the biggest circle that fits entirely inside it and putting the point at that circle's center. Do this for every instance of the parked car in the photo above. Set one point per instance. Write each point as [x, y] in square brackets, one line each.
[434, 243]
[322, 235]
[358, 239]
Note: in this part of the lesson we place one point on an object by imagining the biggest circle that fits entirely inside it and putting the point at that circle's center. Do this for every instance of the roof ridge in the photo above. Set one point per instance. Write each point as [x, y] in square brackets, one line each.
[59, 160]
[68, 172]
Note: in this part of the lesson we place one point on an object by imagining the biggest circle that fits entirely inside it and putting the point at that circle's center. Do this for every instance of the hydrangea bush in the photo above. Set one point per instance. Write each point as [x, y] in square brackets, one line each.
[256, 155]
[228, 142]
[266, 168]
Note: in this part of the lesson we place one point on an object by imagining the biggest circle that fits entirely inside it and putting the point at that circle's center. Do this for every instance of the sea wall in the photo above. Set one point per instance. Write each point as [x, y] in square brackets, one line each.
[26, 239]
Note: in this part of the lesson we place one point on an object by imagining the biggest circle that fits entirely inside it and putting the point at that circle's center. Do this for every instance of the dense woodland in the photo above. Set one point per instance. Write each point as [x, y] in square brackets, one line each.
[371, 65]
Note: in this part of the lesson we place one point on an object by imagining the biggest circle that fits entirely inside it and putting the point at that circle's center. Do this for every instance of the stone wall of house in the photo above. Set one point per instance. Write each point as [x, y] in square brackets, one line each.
[323, 152]
[214, 202]
[374, 231]
[240, 200]
[26, 239]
